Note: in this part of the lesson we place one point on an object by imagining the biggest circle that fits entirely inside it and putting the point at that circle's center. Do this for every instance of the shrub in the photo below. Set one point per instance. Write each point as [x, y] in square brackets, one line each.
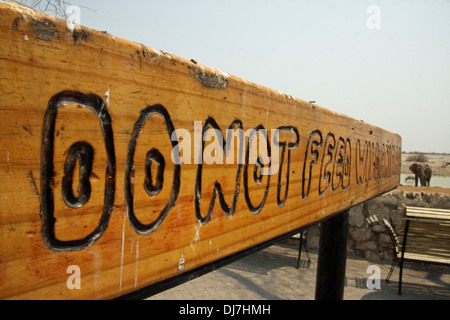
[417, 158]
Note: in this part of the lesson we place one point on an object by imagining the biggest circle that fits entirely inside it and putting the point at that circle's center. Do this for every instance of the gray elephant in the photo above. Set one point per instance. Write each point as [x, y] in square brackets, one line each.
[422, 173]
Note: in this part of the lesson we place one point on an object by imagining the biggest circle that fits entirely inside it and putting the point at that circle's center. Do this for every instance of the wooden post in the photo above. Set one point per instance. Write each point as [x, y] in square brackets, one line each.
[402, 258]
[330, 278]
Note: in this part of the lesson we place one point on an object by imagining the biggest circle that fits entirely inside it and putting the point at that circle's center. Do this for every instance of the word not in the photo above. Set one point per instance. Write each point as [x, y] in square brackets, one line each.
[327, 166]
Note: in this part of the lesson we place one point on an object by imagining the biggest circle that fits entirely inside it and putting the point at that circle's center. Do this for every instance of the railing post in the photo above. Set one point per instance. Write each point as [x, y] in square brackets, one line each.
[400, 277]
[330, 278]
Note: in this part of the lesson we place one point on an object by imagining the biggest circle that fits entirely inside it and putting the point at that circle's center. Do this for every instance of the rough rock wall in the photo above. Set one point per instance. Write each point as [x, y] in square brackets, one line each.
[373, 243]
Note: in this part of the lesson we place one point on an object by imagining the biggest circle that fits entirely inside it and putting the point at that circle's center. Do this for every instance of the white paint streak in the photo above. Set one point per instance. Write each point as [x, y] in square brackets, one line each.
[107, 95]
[121, 255]
[197, 233]
[181, 263]
[136, 264]
[223, 74]
[197, 236]
[24, 11]
[97, 269]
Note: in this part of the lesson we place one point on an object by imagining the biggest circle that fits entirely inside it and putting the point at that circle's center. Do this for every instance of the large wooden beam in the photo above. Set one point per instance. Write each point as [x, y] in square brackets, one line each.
[104, 173]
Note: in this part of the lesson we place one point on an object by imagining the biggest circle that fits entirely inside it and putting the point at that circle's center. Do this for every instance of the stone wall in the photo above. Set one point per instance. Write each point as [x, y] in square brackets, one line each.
[373, 243]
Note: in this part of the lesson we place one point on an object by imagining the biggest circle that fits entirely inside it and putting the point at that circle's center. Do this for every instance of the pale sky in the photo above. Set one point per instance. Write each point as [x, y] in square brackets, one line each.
[395, 74]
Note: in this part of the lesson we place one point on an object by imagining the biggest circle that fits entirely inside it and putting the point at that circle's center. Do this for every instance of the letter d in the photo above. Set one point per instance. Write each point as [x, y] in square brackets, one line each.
[226, 309]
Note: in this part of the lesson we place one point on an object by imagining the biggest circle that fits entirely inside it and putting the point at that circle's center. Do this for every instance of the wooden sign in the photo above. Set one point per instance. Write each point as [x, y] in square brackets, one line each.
[122, 165]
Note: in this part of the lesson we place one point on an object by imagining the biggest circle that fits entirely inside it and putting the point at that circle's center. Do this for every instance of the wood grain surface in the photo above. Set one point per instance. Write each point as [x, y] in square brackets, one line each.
[90, 126]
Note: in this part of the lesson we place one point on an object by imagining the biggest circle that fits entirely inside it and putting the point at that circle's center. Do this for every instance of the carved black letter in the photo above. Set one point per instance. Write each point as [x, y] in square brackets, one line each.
[290, 146]
[84, 153]
[311, 156]
[257, 209]
[211, 123]
[152, 155]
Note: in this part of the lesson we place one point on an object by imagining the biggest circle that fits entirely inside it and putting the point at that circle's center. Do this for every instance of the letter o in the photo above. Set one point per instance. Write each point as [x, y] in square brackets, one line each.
[257, 177]
[152, 155]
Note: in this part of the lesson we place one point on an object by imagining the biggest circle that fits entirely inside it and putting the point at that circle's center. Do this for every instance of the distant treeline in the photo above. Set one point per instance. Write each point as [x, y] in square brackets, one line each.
[420, 152]
[420, 156]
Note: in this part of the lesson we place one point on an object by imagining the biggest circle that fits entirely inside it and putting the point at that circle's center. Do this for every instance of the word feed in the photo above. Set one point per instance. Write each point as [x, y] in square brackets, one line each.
[328, 162]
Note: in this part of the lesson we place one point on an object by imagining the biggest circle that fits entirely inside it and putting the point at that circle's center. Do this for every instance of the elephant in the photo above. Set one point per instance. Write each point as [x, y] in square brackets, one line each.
[422, 173]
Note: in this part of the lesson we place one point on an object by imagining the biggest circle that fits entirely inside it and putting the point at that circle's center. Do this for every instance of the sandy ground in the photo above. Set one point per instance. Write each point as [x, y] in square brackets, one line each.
[442, 191]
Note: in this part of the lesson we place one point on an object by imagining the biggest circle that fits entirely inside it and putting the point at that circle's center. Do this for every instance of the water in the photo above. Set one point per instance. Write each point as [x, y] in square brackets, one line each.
[436, 181]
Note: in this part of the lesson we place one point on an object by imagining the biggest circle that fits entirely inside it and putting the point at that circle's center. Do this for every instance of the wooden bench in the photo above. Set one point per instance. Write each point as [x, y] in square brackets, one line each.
[425, 238]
